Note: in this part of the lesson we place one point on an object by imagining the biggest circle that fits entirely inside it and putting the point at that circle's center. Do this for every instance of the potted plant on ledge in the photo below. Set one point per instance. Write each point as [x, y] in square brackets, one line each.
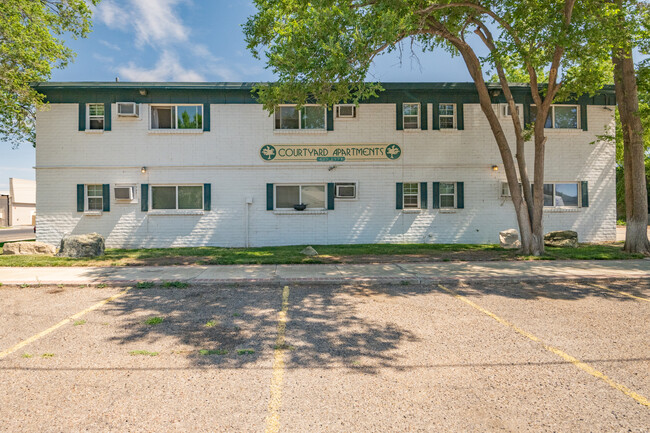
[300, 206]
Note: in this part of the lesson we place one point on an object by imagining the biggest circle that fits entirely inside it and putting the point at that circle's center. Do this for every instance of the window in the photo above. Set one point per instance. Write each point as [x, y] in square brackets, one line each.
[447, 115]
[411, 115]
[559, 116]
[286, 196]
[447, 195]
[96, 116]
[411, 195]
[561, 194]
[180, 197]
[176, 117]
[346, 190]
[505, 110]
[95, 197]
[308, 117]
[347, 111]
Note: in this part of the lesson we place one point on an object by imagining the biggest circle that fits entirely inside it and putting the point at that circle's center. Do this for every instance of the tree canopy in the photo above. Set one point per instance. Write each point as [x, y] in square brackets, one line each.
[31, 45]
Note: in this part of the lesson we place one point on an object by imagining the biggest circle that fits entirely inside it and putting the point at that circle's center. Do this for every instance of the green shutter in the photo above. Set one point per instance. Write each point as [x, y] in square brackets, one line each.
[269, 196]
[460, 117]
[106, 197]
[424, 118]
[81, 189]
[330, 119]
[206, 118]
[107, 116]
[330, 196]
[583, 116]
[399, 120]
[207, 196]
[435, 109]
[82, 117]
[144, 192]
[399, 195]
[460, 195]
[584, 191]
[435, 203]
[423, 195]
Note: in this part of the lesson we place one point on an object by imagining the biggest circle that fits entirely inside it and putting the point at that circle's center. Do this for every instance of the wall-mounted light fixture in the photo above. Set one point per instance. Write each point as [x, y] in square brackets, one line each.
[331, 167]
[495, 168]
[143, 170]
[143, 92]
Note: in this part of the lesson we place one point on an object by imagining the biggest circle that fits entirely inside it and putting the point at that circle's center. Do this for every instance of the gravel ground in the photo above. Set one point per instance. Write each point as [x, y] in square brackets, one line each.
[358, 358]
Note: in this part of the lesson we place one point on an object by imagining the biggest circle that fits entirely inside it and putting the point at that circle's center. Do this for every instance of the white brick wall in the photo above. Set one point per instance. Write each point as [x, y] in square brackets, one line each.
[228, 158]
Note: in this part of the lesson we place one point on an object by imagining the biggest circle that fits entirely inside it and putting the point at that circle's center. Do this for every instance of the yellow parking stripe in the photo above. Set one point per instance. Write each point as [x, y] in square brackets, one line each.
[60, 324]
[581, 365]
[629, 295]
[275, 402]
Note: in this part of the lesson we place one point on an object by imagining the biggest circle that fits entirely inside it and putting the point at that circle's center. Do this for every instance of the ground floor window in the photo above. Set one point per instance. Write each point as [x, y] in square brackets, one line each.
[95, 197]
[177, 197]
[447, 195]
[411, 195]
[561, 194]
[287, 196]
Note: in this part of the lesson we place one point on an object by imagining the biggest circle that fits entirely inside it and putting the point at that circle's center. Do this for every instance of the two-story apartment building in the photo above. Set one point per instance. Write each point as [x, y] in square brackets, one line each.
[188, 164]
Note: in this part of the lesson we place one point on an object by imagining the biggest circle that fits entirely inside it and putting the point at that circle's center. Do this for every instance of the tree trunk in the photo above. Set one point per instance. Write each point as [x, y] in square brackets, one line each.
[636, 199]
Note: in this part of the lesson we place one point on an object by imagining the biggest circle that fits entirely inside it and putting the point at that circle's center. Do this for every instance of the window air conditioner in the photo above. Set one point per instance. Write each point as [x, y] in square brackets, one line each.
[128, 109]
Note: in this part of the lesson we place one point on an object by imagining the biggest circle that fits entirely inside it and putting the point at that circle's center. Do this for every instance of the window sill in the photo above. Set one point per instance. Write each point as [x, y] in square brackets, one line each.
[449, 210]
[300, 212]
[176, 212]
[448, 130]
[563, 130]
[93, 213]
[410, 130]
[408, 211]
[300, 131]
[175, 131]
[550, 209]
[94, 131]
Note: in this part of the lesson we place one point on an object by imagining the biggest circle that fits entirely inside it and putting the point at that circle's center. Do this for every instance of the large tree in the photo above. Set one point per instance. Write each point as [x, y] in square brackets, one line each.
[323, 50]
[31, 45]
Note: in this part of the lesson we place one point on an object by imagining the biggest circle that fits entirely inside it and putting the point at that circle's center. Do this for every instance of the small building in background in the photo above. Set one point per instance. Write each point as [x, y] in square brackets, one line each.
[18, 208]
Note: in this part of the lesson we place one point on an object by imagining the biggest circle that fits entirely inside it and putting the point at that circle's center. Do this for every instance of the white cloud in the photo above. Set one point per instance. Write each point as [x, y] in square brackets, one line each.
[104, 59]
[109, 45]
[156, 21]
[168, 68]
[111, 14]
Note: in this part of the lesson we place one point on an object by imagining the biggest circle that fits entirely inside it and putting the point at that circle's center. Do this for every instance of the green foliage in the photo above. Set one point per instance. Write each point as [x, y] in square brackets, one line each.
[207, 352]
[31, 45]
[143, 353]
[154, 321]
[175, 285]
[79, 323]
[245, 351]
[145, 285]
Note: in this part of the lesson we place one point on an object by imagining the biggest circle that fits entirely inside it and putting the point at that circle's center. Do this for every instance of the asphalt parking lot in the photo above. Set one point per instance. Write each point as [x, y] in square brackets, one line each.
[464, 356]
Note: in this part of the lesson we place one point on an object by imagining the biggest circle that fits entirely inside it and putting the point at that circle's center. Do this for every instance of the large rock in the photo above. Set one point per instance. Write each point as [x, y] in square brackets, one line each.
[309, 251]
[561, 238]
[88, 245]
[28, 248]
[509, 239]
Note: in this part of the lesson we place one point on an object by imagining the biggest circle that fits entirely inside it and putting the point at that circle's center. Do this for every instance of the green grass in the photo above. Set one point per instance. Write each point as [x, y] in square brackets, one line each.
[47, 355]
[143, 353]
[154, 321]
[79, 323]
[175, 285]
[101, 286]
[144, 285]
[27, 355]
[291, 255]
[211, 324]
[206, 352]
[245, 351]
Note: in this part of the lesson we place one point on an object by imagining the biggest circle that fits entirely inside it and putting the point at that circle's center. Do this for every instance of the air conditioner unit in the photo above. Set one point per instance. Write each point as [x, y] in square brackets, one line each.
[347, 111]
[346, 190]
[124, 193]
[128, 109]
[505, 189]
[505, 111]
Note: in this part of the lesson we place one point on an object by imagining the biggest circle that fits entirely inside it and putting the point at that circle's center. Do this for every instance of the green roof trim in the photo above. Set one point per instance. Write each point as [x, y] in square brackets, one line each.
[241, 93]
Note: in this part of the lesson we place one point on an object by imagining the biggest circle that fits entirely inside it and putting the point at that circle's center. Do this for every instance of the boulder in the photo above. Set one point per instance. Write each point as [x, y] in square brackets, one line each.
[28, 248]
[88, 245]
[509, 239]
[561, 238]
[309, 251]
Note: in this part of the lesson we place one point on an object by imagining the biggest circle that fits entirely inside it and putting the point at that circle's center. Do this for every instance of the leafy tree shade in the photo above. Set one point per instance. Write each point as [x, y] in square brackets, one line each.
[324, 49]
[30, 46]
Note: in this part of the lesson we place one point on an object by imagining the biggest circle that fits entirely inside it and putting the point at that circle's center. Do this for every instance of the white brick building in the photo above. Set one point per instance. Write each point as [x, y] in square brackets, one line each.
[188, 168]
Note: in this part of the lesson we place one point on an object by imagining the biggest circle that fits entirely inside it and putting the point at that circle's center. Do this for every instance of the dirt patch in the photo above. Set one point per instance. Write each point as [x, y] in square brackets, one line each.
[438, 256]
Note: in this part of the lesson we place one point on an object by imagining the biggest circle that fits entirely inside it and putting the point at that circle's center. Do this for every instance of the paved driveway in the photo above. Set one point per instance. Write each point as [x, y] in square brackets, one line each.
[21, 233]
[489, 356]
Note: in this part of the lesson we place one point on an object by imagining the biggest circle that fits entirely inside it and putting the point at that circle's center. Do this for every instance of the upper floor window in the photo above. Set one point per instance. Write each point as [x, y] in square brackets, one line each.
[411, 115]
[176, 117]
[95, 116]
[559, 116]
[447, 116]
[561, 194]
[308, 117]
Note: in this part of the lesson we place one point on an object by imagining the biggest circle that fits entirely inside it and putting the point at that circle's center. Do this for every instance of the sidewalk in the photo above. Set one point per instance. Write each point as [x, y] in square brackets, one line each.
[412, 272]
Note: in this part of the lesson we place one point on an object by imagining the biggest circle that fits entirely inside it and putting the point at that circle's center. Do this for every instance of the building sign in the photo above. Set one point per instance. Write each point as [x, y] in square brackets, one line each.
[330, 152]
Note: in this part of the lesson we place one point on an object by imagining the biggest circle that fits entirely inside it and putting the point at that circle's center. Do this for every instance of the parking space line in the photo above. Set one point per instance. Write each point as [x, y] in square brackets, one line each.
[629, 295]
[275, 402]
[581, 365]
[60, 324]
